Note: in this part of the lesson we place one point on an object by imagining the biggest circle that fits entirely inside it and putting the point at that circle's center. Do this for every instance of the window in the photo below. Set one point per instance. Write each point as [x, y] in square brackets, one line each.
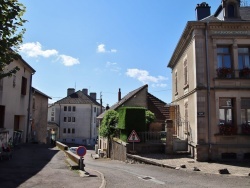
[52, 113]
[231, 11]
[94, 109]
[24, 86]
[245, 111]
[65, 119]
[68, 130]
[69, 119]
[65, 108]
[73, 119]
[64, 130]
[186, 116]
[52, 119]
[243, 58]
[74, 108]
[2, 114]
[73, 131]
[226, 110]
[69, 108]
[185, 73]
[52, 109]
[223, 57]
[176, 84]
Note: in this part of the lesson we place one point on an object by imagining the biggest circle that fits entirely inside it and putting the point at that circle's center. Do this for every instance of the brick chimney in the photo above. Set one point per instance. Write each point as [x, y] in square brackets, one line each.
[119, 95]
[93, 96]
[202, 11]
[70, 91]
[85, 91]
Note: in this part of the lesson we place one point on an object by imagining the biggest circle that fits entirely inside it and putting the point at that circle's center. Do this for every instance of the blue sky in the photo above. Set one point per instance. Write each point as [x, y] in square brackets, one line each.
[104, 45]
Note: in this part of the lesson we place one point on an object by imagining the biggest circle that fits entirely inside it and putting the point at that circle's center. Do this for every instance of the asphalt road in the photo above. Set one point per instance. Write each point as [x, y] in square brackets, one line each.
[125, 175]
[42, 166]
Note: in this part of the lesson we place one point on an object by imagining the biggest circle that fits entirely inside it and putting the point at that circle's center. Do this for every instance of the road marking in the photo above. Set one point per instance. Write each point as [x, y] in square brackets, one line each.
[148, 178]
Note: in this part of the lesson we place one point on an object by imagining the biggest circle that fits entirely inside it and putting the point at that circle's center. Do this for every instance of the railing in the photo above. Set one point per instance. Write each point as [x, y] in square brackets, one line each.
[153, 137]
[228, 73]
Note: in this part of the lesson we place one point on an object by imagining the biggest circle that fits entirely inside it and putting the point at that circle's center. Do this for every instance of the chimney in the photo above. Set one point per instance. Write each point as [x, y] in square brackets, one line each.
[85, 91]
[202, 11]
[70, 91]
[107, 107]
[93, 96]
[119, 95]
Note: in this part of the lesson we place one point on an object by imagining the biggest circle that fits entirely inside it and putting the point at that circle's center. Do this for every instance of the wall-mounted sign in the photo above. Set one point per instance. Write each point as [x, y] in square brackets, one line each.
[200, 114]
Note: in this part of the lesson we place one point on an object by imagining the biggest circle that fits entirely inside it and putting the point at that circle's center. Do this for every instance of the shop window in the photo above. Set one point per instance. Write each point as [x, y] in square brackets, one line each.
[245, 116]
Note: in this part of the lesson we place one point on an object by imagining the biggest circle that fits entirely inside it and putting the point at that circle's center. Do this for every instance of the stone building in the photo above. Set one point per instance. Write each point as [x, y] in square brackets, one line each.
[211, 83]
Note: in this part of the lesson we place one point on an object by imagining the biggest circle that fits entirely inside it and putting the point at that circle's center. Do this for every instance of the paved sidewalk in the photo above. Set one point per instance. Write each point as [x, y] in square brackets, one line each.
[43, 166]
[175, 162]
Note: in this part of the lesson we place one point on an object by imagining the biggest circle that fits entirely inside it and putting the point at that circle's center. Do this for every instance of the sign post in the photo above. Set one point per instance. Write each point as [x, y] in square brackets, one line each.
[81, 151]
[133, 137]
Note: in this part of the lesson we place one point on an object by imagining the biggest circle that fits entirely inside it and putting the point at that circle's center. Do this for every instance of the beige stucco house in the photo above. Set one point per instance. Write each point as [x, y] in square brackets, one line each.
[211, 83]
[76, 117]
[139, 97]
[15, 95]
[38, 117]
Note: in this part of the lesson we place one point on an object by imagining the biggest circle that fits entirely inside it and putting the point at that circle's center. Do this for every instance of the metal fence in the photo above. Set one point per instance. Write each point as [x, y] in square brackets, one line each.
[153, 137]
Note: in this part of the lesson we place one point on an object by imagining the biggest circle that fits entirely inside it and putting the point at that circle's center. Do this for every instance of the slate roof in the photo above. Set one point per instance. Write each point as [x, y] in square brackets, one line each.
[78, 98]
[41, 93]
[244, 13]
[159, 107]
[124, 99]
[155, 105]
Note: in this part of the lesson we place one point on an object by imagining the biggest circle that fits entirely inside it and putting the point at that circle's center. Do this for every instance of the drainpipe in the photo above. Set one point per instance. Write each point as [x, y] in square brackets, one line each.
[91, 120]
[28, 116]
[208, 92]
[59, 122]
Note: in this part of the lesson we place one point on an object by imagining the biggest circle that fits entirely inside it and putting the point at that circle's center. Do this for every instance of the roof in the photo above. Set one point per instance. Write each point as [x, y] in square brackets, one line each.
[78, 98]
[41, 93]
[187, 33]
[124, 99]
[158, 106]
[25, 63]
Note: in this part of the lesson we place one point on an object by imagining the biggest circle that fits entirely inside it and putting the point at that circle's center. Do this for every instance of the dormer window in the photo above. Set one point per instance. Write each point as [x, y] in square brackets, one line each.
[231, 11]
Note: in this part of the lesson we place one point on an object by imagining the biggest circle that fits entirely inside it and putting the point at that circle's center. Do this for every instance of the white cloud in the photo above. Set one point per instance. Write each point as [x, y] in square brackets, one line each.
[34, 49]
[113, 67]
[101, 49]
[144, 77]
[68, 60]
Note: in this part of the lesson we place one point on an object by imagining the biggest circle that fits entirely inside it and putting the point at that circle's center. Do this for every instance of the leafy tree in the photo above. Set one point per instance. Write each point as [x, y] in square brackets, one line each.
[11, 34]
[109, 122]
[150, 117]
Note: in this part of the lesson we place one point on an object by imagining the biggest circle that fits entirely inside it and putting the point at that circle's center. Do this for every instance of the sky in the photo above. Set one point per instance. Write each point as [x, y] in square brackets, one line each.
[104, 45]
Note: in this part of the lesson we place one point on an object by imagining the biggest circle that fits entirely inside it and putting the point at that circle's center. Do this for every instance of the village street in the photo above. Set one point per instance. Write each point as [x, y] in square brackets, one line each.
[37, 165]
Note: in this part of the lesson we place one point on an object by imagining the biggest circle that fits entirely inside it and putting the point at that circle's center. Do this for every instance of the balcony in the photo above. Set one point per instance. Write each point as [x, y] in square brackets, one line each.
[229, 73]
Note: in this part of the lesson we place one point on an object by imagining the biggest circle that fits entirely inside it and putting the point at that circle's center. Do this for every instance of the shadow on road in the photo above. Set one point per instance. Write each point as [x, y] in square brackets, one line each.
[27, 161]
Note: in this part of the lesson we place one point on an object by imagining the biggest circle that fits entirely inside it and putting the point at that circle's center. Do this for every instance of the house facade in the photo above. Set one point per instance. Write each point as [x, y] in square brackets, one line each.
[211, 83]
[38, 117]
[15, 95]
[140, 97]
[76, 117]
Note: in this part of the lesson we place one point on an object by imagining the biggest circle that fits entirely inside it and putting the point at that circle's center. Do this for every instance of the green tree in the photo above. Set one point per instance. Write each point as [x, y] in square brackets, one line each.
[11, 34]
[109, 122]
[150, 117]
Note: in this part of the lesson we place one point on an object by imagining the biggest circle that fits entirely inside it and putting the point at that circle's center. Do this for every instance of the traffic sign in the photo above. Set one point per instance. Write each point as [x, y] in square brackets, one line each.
[81, 151]
[133, 137]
